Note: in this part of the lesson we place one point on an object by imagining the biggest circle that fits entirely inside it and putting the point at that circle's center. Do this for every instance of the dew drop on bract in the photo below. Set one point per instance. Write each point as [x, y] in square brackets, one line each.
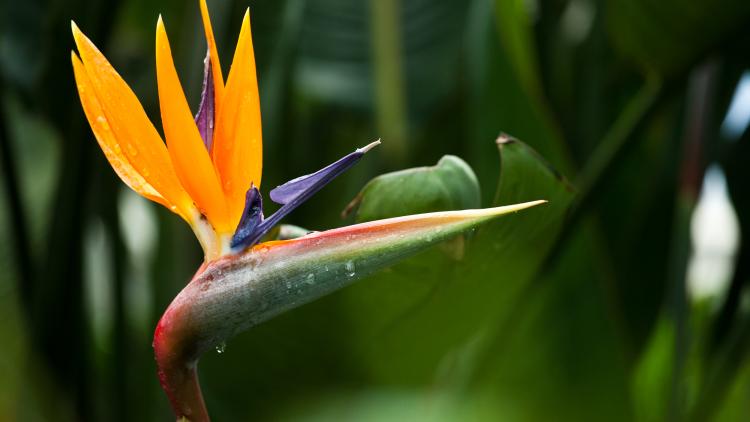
[221, 347]
[310, 279]
[350, 269]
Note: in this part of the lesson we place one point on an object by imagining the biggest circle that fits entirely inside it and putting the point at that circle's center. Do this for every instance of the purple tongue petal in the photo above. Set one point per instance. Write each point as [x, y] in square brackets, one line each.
[204, 119]
[311, 183]
[252, 216]
[291, 195]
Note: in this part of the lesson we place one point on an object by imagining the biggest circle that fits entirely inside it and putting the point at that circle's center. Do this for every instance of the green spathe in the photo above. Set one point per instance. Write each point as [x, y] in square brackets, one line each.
[234, 293]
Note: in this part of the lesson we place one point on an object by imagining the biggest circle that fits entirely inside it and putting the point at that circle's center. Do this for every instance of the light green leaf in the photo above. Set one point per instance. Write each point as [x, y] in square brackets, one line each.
[448, 185]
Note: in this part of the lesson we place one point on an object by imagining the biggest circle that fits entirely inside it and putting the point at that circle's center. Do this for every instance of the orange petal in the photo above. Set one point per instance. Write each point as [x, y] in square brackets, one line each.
[189, 156]
[238, 143]
[106, 138]
[126, 135]
[213, 55]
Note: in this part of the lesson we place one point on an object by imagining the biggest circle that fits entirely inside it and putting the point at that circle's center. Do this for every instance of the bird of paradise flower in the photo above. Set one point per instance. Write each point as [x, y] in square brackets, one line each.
[209, 173]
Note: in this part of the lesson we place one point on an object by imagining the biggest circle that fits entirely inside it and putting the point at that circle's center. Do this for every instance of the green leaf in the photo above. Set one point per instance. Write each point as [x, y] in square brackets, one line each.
[448, 185]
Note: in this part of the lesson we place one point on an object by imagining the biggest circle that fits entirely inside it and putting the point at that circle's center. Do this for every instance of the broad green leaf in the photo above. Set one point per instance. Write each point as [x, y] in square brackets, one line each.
[448, 185]
[336, 54]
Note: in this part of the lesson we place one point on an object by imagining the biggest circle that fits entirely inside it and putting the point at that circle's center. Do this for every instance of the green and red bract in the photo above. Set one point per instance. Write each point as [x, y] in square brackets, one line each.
[234, 293]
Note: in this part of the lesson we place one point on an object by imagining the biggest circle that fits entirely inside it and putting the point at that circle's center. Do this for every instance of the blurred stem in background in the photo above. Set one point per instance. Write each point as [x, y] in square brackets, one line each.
[20, 235]
[390, 91]
[612, 147]
[701, 93]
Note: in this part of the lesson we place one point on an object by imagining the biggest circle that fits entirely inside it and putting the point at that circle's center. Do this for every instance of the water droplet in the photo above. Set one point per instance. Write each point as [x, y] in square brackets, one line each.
[350, 269]
[221, 347]
[310, 279]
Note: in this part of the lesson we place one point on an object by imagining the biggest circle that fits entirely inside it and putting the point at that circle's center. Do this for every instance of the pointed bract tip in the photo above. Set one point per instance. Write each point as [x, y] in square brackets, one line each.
[504, 209]
[369, 146]
[73, 27]
[524, 205]
[159, 21]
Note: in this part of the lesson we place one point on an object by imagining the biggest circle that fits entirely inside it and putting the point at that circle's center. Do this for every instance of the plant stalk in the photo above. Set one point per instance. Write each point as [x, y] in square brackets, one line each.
[390, 99]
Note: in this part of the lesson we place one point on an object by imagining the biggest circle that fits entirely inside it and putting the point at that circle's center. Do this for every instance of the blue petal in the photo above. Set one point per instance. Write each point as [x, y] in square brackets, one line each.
[252, 217]
[204, 119]
[311, 183]
[291, 195]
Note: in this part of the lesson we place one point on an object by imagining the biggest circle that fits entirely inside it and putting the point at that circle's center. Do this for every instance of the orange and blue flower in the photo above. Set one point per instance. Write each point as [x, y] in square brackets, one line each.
[209, 171]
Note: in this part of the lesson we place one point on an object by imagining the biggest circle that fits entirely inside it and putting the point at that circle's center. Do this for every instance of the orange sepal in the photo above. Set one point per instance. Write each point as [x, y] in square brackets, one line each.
[238, 145]
[126, 135]
[189, 156]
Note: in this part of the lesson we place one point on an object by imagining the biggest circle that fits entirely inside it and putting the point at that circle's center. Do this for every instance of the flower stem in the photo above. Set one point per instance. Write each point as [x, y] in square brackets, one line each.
[178, 373]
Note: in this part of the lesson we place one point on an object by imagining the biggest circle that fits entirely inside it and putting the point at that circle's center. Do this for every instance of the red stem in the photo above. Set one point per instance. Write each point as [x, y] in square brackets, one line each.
[177, 370]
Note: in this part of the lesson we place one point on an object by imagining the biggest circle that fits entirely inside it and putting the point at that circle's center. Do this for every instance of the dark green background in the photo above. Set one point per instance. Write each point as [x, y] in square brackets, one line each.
[580, 312]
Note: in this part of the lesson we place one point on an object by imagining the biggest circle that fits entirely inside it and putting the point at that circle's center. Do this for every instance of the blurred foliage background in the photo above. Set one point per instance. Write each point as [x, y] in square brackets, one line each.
[627, 299]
